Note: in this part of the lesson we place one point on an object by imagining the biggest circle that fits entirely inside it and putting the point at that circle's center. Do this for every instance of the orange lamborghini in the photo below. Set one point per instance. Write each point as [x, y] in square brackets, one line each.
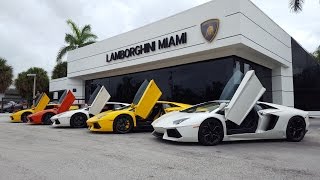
[43, 117]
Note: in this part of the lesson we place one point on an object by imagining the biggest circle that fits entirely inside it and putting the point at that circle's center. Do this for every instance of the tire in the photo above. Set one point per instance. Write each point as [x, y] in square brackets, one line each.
[122, 124]
[78, 120]
[210, 132]
[24, 118]
[46, 118]
[296, 129]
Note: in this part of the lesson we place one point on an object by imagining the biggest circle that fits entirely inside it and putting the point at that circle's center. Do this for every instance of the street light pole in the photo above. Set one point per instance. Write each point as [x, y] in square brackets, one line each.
[34, 85]
[34, 89]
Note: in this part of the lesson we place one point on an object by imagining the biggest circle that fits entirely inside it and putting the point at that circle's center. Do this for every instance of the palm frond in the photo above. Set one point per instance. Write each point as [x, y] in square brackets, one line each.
[2, 61]
[70, 39]
[88, 37]
[296, 5]
[63, 51]
[86, 29]
[74, 27]
[87, 43]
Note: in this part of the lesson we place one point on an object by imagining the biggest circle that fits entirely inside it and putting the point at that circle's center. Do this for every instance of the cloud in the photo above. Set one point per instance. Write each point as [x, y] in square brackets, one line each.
[32, 32]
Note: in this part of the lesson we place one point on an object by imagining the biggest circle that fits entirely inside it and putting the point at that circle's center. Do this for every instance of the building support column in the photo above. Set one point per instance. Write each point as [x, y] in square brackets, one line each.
[282, 86]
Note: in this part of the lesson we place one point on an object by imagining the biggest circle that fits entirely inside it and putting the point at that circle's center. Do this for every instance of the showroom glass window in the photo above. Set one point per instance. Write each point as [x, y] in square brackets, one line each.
[189, 83]
[306, 83]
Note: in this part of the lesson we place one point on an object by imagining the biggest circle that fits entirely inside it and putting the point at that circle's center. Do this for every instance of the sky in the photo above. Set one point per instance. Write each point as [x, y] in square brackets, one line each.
[32, 31]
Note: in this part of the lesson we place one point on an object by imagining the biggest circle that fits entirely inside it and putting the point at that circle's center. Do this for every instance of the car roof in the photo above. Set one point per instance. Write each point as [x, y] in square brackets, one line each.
[163, 102]
[117, 103]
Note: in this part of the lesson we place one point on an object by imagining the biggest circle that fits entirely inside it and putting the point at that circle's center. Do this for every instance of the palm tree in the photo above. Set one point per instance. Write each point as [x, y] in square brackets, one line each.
[296, 5]
[6, 75]
[78, 38]
[60, 70]
[316, 54]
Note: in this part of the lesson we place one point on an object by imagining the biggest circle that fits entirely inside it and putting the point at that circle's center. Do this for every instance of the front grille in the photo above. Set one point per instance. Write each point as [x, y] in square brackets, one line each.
[157, 134]
[96, 125]
[30, 119]
[57, 121]
[11, 117]
[173, 133]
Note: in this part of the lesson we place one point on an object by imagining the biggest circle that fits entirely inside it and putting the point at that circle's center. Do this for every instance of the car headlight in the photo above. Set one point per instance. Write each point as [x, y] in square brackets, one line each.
[176, 122]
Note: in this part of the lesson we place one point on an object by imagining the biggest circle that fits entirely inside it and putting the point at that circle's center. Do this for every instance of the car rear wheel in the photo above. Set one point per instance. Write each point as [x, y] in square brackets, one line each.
[24, 116]
[46, 118]
[296, 129]
[78, 121]
[210, 132]
[122, 124]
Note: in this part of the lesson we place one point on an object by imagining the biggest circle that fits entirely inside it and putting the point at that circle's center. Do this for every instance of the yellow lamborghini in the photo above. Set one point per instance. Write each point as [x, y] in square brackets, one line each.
[142, 112]
[40, 104]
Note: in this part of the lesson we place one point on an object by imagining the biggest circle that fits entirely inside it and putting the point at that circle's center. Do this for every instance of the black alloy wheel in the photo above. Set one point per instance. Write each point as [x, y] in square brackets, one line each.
[296, 129]
[122, 124]
[78, 120]
[24, 116]
[210, 132]
[46, 119]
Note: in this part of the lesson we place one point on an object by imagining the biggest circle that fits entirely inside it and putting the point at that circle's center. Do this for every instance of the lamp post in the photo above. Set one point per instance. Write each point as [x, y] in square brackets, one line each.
[34, 85]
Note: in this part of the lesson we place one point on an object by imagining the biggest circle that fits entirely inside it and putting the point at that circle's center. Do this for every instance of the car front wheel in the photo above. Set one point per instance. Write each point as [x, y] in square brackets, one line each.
[210, 132]
[24, 116]
[122, 124]
[296, 129]
[78, 121]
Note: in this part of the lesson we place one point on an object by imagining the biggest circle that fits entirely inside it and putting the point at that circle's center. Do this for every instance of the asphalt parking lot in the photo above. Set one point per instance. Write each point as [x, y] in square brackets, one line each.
[42, 152]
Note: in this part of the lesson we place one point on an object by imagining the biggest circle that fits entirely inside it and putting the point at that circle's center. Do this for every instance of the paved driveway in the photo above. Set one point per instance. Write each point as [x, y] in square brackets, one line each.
[43, 152]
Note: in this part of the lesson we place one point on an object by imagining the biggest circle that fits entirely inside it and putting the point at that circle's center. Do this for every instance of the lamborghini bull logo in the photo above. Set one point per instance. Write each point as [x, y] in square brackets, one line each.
[209, 29]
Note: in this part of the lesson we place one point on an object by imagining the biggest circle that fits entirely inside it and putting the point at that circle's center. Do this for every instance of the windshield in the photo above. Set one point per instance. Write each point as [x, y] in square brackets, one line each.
[121, 108]
[37, 101]
[140, 92]
[204, 107]
[231, 86]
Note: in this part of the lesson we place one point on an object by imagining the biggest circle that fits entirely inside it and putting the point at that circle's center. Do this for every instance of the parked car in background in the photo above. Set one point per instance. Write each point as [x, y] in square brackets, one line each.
[144, 109]
[97, 104]
[8, 107]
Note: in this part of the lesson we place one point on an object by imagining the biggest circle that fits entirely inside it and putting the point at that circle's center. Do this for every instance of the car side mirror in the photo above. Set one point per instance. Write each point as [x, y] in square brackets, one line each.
[222, 106]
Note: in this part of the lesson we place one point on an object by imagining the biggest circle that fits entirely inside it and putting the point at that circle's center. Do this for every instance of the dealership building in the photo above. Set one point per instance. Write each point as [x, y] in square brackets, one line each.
[192, 55]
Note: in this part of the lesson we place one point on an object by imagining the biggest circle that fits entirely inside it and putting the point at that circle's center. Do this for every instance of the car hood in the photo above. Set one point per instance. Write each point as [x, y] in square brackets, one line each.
[22, 111]
[108, 115]
[186, 119]
[41, 113]
[69, 113]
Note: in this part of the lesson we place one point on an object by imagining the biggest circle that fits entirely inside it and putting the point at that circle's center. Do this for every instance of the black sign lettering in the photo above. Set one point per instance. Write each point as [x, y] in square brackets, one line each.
[166, 42]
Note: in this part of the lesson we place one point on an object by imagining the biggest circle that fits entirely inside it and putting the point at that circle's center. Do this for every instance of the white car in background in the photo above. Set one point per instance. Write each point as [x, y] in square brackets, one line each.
[78, 118]
[241, 118]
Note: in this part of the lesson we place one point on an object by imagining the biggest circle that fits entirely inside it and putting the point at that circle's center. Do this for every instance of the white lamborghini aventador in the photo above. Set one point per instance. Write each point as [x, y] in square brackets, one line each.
[78, 118]
[241, 118]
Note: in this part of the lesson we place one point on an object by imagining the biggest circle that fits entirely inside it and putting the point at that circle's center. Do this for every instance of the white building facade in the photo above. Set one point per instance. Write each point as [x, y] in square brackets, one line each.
[188, 63]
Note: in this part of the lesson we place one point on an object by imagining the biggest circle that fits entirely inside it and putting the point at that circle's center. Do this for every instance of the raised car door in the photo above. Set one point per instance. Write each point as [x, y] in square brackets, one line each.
[145, 98]
[66, 102]
[247, 94]
[100, 101]
[42, 103]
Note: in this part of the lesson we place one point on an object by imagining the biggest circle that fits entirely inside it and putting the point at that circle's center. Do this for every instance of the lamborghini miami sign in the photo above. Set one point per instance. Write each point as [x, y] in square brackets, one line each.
[164, 43]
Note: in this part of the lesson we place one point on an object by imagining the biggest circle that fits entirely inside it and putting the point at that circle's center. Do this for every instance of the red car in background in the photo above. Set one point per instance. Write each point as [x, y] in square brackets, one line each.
[43, 117]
